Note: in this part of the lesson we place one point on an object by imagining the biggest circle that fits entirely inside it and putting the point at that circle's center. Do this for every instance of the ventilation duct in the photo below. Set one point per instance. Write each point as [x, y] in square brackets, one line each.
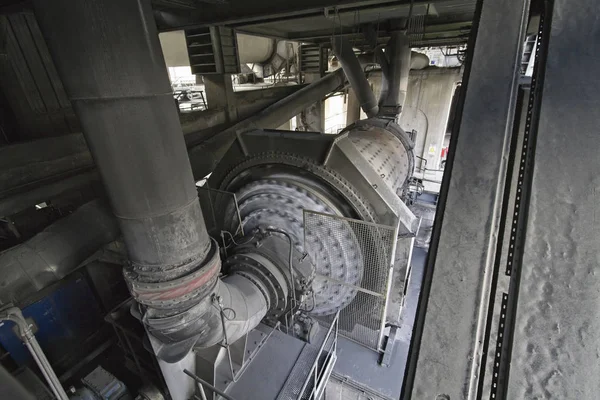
[355, 74]
[55, 252]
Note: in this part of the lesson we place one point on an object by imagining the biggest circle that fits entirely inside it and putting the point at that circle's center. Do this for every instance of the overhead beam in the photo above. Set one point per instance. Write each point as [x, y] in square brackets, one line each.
[460, 27]
[243, 12]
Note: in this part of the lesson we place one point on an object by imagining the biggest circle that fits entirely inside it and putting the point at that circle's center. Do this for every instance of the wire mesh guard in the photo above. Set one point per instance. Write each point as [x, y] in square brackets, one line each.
[363, 284]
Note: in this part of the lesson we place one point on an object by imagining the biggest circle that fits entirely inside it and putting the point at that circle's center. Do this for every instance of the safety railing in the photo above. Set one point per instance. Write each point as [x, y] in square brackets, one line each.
[323, 365]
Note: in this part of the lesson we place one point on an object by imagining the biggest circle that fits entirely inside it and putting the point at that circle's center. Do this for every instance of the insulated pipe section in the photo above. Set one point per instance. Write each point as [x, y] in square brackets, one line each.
[356, 76]
[108, 55]
[55, 252]
[395, 76]
[26, 335]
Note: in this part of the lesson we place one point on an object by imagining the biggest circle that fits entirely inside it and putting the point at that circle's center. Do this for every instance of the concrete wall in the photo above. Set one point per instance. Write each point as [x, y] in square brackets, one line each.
[426, 108]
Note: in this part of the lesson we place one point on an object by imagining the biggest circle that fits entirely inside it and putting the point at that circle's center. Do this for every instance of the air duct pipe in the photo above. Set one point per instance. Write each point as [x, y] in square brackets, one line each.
[55, 252]
[395, 75]
[356, 76]
[109, 58]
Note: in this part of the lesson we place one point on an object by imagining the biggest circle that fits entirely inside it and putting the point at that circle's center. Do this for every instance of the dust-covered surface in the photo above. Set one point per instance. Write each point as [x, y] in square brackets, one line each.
[426, 212]
[556, 353]
[449, 336]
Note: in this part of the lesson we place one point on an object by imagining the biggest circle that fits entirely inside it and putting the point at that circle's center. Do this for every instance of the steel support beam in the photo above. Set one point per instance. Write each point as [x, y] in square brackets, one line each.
[555, 343]
[237, 12]
[446, 350]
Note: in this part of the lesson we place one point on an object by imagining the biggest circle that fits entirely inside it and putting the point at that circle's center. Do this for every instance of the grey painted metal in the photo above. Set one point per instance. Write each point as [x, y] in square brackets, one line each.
[280, 203]
[205, 146]
[270, 368]
[553, 352]
[355, 74]
[131, 124]
[446, 349]
[323, 364]
[388, 289]
[299, 375]
[238, 11]
[358, 365]
[352, 107]
[389, 347]
[25, 333]
[377, 157]
[395, 82]
[255, 49]
[55, 252]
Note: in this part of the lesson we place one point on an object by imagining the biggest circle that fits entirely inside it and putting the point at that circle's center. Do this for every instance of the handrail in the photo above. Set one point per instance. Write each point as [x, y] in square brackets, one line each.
[208, 385]
[314, 370]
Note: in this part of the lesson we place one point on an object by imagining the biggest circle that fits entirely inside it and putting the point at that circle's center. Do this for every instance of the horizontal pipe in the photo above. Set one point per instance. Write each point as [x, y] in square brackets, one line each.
[55, 252]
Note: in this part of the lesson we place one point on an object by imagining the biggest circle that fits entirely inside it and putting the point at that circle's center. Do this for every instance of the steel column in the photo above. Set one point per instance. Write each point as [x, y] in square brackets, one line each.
[555, 343]
[446, 349]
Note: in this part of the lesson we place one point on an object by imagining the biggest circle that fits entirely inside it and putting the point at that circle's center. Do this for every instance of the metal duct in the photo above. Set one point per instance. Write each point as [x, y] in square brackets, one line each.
[255, 49]
[109, 58]
[252, 49]
[55, 252]
[417, 60]
[345, 54]
[395, 76]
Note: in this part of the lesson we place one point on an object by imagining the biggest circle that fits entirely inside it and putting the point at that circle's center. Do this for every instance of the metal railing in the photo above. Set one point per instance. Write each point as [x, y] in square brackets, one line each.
[364, 308]
[321, 370]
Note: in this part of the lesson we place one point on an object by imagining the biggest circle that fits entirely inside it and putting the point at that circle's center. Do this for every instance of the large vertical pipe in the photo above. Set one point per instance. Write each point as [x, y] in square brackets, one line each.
[109, 58]
[395, 81]
[355, 74]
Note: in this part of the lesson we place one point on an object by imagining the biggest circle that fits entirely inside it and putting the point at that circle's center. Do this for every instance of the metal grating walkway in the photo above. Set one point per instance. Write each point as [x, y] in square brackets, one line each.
[299, 374]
